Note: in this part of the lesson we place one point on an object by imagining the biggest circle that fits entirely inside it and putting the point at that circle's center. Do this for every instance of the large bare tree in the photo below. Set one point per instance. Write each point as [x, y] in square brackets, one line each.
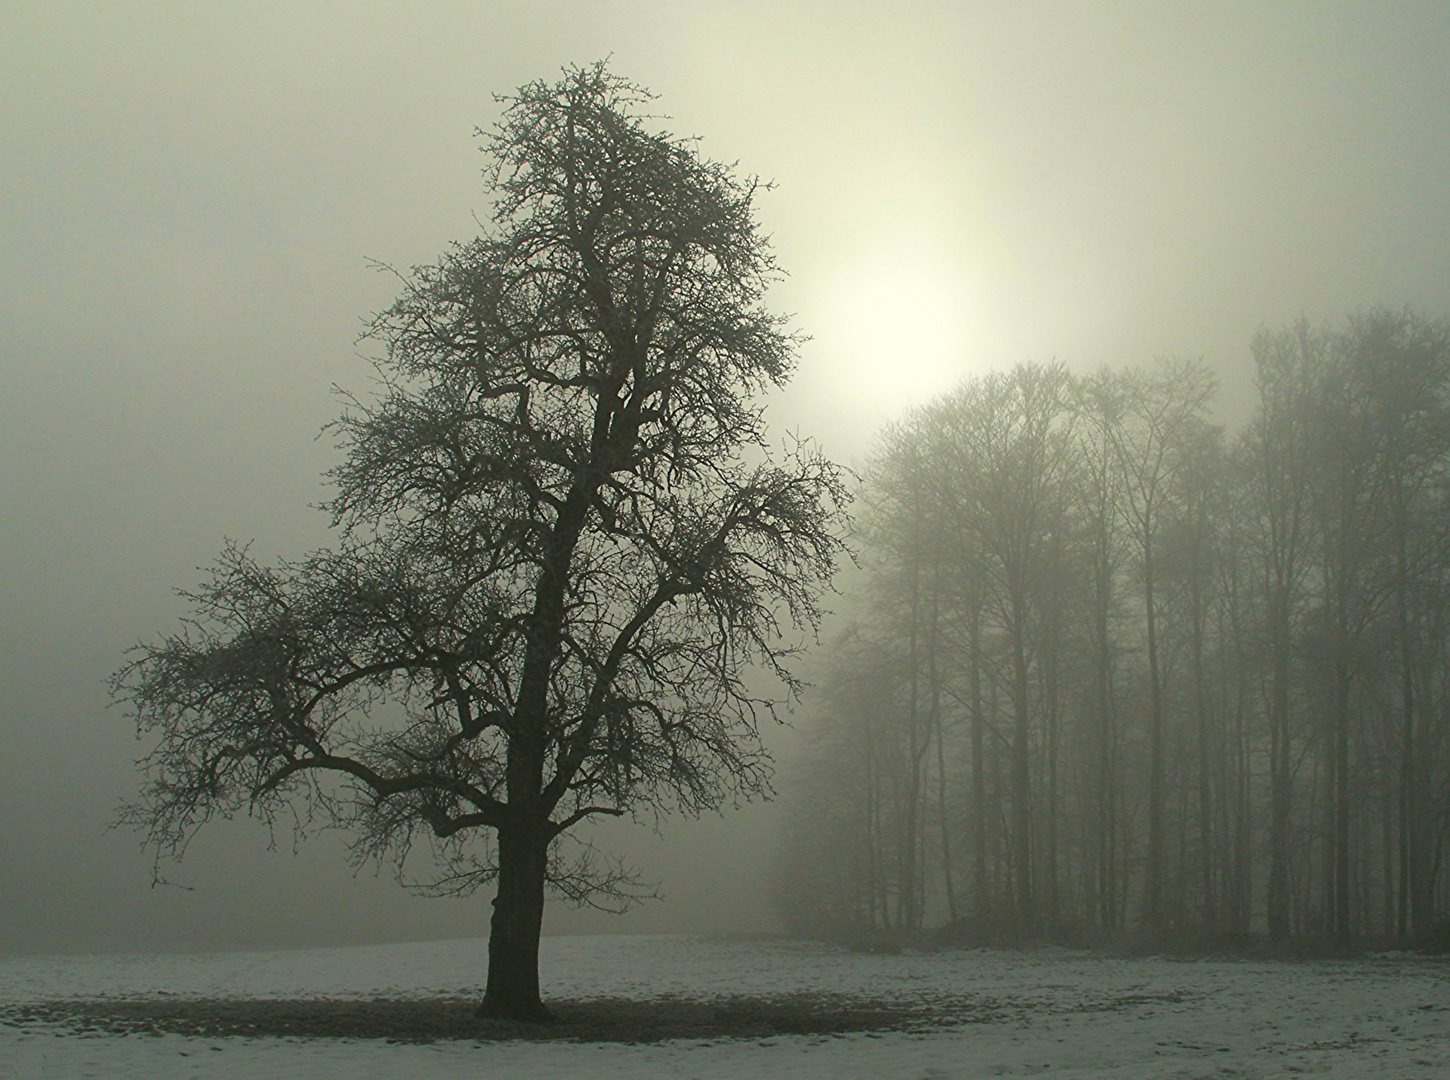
[565, 542]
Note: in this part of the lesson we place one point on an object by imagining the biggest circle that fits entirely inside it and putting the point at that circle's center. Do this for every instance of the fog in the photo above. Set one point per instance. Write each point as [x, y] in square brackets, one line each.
[191, 195]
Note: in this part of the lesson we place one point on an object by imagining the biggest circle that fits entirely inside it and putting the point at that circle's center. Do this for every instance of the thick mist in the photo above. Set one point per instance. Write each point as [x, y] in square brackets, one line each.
[192, 198]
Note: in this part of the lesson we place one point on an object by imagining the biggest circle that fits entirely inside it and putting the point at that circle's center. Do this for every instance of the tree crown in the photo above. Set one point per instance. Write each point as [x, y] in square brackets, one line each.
[565, 542]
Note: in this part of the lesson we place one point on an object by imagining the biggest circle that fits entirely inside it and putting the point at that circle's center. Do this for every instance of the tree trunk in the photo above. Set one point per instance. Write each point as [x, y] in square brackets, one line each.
[1241, 920]
[518, 920]
[909, 900]
[1025, 912]
[938, 723]
[1154, 887]
[1340, 869]
[1281, 790]
[1107, 793]
[1208, 900]
[1050, 671]
[979, 773]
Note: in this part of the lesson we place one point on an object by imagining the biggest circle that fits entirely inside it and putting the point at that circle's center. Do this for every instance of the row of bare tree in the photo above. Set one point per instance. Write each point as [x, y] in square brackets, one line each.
[1124, 673]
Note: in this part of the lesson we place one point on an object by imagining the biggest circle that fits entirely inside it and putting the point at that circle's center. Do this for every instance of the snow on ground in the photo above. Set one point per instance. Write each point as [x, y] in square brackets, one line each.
[1047, 1012]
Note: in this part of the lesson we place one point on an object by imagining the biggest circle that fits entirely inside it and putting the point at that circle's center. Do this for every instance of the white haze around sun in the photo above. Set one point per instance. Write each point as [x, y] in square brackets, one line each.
[895, 326]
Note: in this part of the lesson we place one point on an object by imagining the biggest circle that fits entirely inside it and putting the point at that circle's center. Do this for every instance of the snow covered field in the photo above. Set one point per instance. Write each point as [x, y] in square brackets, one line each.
[1040, 1013]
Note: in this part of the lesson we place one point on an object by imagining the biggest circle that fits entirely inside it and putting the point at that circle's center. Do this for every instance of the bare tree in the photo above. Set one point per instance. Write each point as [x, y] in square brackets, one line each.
[556, 566]
[1409, 357]
[1160, 412]
[1098, 407]
[1278, 446]
[1012, 427]
[904, 524]
[1188, 556]
[1384, 439]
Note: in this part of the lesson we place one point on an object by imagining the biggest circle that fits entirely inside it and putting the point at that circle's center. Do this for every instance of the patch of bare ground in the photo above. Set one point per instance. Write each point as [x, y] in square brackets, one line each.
[452, 1018]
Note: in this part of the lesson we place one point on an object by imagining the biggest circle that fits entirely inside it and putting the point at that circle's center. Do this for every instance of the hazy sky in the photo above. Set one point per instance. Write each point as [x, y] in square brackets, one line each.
[190, 194]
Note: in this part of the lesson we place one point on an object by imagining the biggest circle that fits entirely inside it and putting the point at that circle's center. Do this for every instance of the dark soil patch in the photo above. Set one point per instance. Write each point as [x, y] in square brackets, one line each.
[434, 1019]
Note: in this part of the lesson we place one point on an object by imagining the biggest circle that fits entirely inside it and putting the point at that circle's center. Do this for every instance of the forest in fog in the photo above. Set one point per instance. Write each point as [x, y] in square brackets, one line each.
[1123, 674]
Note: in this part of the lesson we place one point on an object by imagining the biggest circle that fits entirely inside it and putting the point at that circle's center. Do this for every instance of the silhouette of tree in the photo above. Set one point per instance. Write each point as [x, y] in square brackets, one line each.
[564, 544]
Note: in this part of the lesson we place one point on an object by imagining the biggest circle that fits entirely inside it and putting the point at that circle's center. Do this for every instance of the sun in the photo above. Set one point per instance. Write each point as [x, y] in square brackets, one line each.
[894, 327]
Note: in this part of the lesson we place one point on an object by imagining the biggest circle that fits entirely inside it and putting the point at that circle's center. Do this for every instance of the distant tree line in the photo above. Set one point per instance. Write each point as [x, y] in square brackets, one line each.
[1126, 674]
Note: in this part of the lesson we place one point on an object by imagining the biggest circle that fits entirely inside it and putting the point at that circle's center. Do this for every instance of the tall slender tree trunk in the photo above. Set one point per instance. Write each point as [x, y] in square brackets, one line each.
[906, 899]
[875, 872]
[1280, 763]
[938, 725]
[1052, 634]
[1021, 773]
[1107, 791]
[1051, 734]
[980, 893]
[1243, 819]
[1205, 756]
[918, 742]
[1407, 802]
[1241, 892]
[1153, 903]
[1338, 587]
[1341, 862]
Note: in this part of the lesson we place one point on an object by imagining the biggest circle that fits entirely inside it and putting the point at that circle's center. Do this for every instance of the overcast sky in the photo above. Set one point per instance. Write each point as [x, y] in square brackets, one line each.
[190, 195]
